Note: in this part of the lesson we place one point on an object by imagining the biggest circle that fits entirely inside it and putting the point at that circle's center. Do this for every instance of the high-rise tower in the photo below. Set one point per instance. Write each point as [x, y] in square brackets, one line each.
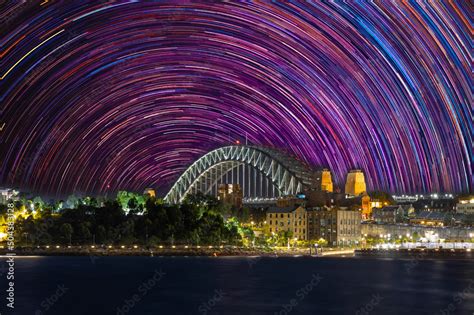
[325, 180]
[355, 183]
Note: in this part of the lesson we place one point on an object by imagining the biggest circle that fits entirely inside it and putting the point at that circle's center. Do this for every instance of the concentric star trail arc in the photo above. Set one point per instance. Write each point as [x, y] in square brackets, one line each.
[112, 96]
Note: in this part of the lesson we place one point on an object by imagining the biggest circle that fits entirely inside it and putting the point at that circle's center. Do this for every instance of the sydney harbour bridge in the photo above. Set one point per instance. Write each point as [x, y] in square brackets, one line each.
[261, 172]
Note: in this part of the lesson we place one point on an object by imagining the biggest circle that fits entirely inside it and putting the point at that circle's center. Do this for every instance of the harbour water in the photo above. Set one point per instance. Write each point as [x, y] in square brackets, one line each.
[239, 285]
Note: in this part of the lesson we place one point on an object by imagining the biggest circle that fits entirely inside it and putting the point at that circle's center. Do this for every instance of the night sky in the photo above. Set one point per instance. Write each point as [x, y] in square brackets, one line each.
[107, 96]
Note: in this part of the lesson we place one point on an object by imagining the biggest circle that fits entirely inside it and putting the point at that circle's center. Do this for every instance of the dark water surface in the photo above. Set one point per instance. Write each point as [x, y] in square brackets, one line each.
[181, 285]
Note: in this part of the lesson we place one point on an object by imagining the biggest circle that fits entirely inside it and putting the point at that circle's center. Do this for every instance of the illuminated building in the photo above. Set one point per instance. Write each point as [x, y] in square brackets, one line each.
[230, 194]
[355, 183]
[431, 218]
[465, 205]
[288, 219]
[150, 192]
[338, 226]
[366, 206]
[393, 214]
[324, 180]
[375, 203]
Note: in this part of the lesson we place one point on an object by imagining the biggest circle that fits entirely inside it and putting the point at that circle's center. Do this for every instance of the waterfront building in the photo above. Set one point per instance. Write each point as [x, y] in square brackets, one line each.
[348, 227]
[339, 226]
[399, 231]
[430, 218]
[393, 214]
[324, 180]
[355, 183]
[322, 224]
[465, 205]
[291, 219]
[230, 194]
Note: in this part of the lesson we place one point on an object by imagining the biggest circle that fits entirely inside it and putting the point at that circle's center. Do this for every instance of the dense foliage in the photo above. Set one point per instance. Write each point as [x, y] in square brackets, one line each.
[145, 221]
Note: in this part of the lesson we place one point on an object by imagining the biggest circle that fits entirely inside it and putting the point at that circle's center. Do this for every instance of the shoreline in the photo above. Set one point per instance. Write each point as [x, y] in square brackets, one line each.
[416, 254]
[197, 252]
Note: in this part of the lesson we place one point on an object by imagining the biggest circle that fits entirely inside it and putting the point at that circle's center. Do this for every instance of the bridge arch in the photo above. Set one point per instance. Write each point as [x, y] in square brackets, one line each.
[287, 174]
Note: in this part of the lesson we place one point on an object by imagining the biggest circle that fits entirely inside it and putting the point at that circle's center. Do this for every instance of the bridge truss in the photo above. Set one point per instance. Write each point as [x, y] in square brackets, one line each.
[261, 173]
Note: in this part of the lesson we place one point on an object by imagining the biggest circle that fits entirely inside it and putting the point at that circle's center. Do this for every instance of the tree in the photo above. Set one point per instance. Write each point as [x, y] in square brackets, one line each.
[322, 242]
[101, 234]
[38, 203]
[132, 205]
[66, 231]
[415, 236]
[153, 241]
[83, 233]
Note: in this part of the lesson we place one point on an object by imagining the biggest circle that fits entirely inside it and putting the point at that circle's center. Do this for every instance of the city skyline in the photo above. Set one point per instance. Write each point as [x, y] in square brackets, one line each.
[123, 96]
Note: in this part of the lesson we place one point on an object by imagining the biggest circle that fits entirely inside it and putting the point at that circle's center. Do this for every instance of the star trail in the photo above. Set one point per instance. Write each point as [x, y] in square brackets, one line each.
[111, 96]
